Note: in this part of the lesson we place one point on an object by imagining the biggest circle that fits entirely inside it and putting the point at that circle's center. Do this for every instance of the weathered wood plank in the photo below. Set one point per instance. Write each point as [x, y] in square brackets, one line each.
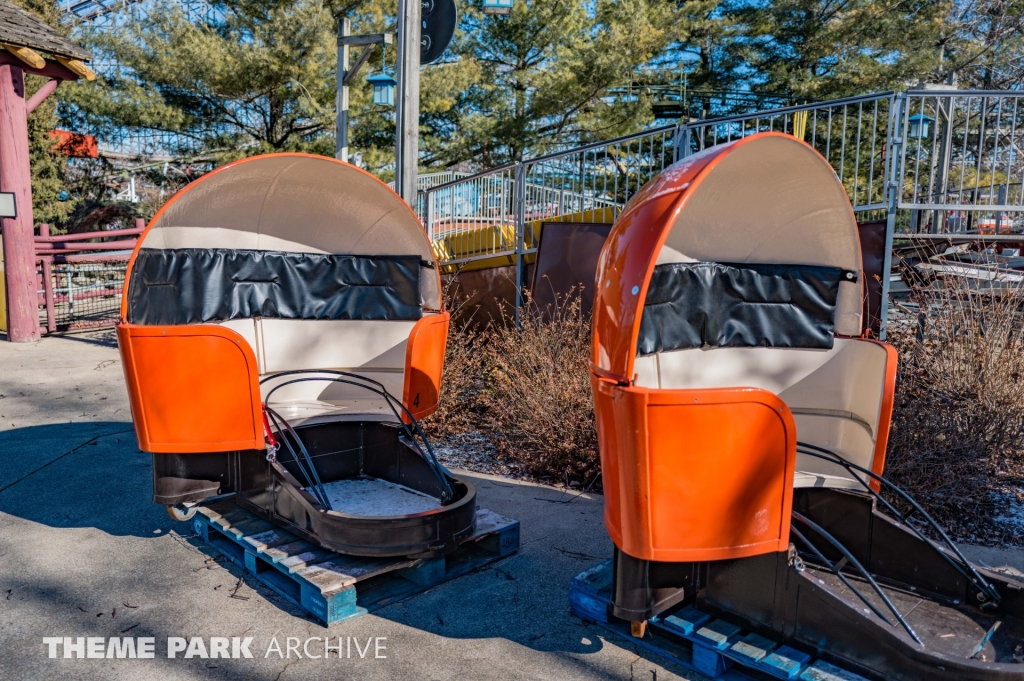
[272, 538]
[333, 587]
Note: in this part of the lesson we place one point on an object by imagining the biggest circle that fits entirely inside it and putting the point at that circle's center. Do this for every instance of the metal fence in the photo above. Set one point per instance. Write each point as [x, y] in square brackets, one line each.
[930, 163]
[961, 163]
[83, 295]
[853, 134]
[81, 276]
[495, 213]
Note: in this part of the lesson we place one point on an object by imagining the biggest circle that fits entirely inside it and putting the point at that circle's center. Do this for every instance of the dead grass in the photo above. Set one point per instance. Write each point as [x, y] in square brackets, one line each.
[538, 408]
[527, 391]
[958, 418]
[459, 408]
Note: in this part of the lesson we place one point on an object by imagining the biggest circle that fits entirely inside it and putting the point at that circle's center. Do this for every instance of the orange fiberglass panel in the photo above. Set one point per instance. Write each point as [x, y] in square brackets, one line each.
[193, 389]
[424, 364]
[767, 198]
[696, 475]
[885, 413]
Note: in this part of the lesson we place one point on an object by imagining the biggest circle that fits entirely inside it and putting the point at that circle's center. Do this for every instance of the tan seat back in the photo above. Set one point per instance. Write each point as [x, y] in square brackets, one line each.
[836, 395]
[374, 349]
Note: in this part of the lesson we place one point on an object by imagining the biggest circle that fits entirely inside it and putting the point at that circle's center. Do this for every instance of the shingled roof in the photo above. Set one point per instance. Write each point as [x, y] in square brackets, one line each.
[22, 29]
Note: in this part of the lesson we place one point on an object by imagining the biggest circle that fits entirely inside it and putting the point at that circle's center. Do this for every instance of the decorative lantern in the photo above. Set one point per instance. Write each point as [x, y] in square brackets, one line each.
[920, 126]
[383, 89]
[497, 6]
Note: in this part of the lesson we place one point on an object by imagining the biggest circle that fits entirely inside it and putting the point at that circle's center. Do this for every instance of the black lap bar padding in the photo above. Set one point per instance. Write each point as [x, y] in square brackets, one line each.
[691, 305]
[189, 285]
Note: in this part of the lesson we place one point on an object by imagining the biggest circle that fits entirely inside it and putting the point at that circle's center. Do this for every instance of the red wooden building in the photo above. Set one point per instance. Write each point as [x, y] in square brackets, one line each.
[27, 46]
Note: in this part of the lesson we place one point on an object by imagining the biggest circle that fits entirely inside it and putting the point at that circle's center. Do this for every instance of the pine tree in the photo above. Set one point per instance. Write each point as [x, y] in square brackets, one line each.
[983, 44]
[258, 76]
[253, 76]
[821, 49]
[537, 78]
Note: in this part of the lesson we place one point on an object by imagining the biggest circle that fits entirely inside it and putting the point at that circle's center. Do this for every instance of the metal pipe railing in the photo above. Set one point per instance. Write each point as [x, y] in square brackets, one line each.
[80, 281]
[492, 214]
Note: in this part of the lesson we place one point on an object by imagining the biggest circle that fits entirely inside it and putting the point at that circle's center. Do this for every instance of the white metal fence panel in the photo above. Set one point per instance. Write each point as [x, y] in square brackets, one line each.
[962, 162]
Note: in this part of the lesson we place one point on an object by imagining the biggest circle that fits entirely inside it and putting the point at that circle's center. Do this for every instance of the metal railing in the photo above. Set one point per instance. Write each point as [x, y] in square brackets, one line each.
[472, 218]
[852, 134]
[494, 214]
[928, 162]
[962, 161]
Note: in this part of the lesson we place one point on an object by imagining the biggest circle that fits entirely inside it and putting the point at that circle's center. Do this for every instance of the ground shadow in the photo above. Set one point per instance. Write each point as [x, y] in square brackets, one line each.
[80, 475]
[93, 475]
[104, 337]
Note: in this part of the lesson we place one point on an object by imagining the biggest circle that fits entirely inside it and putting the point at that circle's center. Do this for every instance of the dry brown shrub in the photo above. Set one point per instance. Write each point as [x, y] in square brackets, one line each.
[538, 408]
[458, 408]
[526, 391]
[958, 416]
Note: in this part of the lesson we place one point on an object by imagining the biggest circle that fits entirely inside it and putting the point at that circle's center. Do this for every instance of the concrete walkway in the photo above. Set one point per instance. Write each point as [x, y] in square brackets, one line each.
[84, 552]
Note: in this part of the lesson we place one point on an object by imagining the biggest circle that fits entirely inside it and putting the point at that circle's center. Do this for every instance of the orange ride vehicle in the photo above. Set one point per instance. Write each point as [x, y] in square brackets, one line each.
[743, 414]
[281, 332]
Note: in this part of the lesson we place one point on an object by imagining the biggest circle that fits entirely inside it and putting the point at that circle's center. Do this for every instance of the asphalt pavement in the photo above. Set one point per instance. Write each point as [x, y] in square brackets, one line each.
[84, 552]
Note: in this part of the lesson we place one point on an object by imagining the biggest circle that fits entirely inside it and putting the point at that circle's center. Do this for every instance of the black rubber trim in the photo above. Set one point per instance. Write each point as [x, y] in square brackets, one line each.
[190, 285]
[692, 305]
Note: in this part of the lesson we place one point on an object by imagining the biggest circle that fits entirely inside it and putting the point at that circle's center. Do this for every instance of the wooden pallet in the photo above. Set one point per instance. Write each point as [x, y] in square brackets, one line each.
[699, 641]
[333, 587]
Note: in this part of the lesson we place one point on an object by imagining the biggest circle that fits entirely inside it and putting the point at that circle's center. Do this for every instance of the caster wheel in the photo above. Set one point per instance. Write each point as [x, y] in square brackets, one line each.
[180, 512]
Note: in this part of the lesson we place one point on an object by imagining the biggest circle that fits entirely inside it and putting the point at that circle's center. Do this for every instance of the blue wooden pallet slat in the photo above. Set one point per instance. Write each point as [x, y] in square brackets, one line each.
[707, 660]
[697, 640]
[717, 634]
[752, 648]
[784, 662]
[823, 671]
[585, 593]
[333, 587]
[686, 621]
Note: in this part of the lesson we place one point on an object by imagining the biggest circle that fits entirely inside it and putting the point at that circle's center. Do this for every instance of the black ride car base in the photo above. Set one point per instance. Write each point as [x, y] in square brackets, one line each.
[807, 607]
[345, 450]
[275, 490]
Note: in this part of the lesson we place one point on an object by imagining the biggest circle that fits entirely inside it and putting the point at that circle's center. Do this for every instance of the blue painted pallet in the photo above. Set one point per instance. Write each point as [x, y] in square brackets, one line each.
[333, 587]
[697, 640]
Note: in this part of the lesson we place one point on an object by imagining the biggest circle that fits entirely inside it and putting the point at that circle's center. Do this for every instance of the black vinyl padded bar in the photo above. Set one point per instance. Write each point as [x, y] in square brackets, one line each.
[692, 305]
[193, 285]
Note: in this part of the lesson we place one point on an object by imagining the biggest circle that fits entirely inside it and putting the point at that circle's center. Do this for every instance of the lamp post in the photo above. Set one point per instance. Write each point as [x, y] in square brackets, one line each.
[497, 6]
[383, 89]
[346, 75]
[425, 29]
[920, 126]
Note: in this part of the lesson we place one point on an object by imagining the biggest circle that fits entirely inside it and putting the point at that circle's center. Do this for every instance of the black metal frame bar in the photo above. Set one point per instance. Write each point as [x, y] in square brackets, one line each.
[837, 572]
[312, 481]
[860, 568]
[965, 568]
[431, 458]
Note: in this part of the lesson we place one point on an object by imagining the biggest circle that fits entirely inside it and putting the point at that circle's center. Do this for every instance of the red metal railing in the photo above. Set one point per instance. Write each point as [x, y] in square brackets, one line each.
[60, 259]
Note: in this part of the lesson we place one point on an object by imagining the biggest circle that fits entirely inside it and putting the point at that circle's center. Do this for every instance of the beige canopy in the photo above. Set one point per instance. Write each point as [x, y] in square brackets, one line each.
[771, 201]
[296, 203]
